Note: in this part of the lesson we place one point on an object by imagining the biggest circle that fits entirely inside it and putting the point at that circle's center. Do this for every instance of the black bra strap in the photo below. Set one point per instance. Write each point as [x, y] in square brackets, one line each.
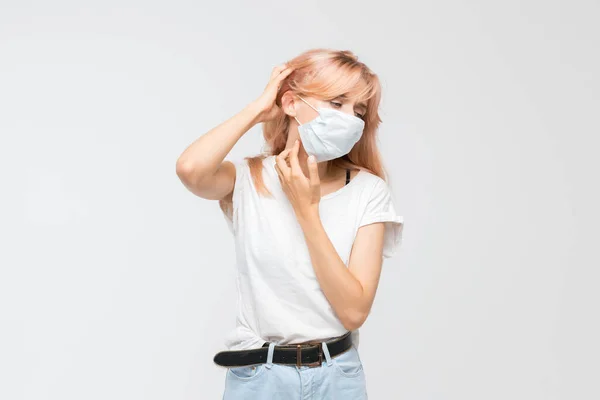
[347, 176]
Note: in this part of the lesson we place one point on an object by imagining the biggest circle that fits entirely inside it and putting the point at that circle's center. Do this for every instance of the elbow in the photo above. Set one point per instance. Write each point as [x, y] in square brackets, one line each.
[354, 319]
[188, 172]
[183, 169]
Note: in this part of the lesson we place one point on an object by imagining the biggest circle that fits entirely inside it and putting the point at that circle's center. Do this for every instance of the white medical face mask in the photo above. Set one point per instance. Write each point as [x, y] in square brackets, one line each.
[331, 134]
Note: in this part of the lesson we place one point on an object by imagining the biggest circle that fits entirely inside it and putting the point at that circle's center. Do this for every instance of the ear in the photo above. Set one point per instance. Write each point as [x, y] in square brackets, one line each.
[288, 102]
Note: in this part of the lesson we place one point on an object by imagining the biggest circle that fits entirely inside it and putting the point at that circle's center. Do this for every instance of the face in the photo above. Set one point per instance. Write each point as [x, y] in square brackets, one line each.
[305, 113]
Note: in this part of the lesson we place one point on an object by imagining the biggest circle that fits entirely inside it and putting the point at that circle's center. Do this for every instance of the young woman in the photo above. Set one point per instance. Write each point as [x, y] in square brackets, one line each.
[312, 218]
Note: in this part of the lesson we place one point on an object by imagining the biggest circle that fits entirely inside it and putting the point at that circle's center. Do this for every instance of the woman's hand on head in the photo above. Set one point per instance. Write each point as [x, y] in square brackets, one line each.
[267, 108]
[304, 193]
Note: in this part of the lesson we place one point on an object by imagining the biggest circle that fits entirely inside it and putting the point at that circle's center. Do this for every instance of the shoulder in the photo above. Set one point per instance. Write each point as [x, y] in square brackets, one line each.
[373, 184]
[241, 165]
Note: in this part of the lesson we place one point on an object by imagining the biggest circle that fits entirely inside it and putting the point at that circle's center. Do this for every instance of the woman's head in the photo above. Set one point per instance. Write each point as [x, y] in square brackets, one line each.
[333, 79]
[325, 78]
[330, 79]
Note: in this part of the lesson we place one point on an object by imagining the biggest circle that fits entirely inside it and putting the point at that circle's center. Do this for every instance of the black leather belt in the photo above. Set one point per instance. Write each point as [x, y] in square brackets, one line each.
[308, 353]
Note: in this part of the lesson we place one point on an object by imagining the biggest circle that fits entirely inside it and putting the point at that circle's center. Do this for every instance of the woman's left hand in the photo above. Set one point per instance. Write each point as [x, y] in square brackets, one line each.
[303, 193]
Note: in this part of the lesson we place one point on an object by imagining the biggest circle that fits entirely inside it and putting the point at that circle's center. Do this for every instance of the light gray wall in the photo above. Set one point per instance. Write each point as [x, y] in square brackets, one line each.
[117, 283]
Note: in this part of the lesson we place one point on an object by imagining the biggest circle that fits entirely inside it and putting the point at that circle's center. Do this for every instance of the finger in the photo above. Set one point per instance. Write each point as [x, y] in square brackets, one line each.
[281, 179]
[284, 73]
[286, 152]
[295, 165]
[313, 172]
[285, 155]
[277, 79]
[277, 70]
[280, 161]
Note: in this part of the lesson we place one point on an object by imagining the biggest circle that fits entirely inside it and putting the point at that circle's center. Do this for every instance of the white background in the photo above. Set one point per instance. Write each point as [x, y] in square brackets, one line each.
[117, 283]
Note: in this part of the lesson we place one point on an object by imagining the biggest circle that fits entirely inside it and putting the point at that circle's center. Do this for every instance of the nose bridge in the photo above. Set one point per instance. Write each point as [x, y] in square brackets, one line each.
[349, 106]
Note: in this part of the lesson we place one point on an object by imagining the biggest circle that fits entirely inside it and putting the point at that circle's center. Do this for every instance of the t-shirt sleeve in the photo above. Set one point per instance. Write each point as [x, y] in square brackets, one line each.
[381, 208]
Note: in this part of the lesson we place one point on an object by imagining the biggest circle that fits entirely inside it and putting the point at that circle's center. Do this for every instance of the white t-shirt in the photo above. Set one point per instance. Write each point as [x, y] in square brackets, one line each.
[278, 296]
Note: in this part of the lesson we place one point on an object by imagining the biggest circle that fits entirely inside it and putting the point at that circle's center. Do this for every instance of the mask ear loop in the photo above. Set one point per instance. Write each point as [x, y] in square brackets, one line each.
[308, 105]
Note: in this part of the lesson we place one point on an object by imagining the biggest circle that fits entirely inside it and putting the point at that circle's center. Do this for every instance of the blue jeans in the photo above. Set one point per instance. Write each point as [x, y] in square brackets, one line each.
[339, 378]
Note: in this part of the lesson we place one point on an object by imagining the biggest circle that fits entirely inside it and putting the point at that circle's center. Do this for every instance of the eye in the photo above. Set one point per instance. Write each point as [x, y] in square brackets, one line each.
[359, 115]
[335, 104]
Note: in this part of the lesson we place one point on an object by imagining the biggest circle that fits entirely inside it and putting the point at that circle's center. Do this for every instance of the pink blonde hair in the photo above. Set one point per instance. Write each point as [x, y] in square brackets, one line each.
[327, 74]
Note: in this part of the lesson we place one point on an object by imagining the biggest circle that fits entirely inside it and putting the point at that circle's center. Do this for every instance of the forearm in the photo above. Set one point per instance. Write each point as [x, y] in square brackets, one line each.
[343, 291]
[204, 156]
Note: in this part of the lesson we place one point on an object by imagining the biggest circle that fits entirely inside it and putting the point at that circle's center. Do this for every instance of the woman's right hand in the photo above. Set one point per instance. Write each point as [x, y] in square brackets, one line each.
[265, 104]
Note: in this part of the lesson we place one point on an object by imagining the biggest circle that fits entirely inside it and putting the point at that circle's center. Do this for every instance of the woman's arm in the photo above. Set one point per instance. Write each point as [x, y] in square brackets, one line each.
[350, 290]
[201, 167]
